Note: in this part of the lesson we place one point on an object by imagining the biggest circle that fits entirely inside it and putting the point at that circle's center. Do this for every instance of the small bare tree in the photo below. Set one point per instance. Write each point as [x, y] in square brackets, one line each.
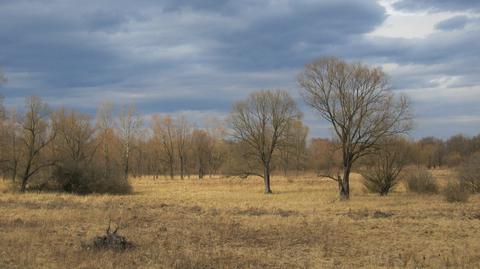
[469, 173]
[357, 102]
[382, 169]
[182, 138]
[293, 151]
[164, 136]
[36, 136]
[75, 146]
[129, 126]
[10, 148]
[261, 123]
[202, 145]
[217, 133]
[105, 126]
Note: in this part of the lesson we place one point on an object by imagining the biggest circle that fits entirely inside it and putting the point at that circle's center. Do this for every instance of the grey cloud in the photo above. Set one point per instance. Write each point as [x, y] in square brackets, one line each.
[455, 23]
[276, 40]
[438, 5]
[186, 55]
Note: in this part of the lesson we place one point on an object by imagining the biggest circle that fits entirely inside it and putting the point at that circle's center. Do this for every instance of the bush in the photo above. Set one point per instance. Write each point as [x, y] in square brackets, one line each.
[85, 177]
[381, 182]
[469, 173]
[385, 166]
[80, 177]
[421, 181]
[456, 192]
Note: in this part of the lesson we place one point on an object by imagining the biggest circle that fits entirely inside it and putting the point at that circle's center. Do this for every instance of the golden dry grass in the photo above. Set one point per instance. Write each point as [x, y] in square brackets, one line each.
[230, 223]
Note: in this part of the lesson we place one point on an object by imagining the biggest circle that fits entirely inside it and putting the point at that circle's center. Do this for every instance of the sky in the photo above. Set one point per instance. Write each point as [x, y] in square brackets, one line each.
[197, 58]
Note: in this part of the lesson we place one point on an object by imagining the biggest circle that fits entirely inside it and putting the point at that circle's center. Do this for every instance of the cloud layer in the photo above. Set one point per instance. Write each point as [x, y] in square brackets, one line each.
[200, 56]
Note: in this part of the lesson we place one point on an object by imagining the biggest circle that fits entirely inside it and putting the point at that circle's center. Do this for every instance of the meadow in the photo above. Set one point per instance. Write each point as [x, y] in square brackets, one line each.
[231, 223]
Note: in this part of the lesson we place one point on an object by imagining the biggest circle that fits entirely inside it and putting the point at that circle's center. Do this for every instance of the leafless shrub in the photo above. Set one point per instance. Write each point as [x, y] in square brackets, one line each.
[381, 214]
[469, 173]
[385, 166]
[421, 181]
[286, 213]
[83, 178]
[109, 241]
[78, 169]
[456, 192]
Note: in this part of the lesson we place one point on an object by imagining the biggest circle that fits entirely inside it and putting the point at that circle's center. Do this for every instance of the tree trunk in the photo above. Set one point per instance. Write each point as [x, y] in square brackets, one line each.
[171, 170]
[14, 170]
[106, 158]
[126, 168]
[24, 184]
[182, 167]
[344, 183]
[200, 172]
[285, 168]
[25, 175]
[266, 177]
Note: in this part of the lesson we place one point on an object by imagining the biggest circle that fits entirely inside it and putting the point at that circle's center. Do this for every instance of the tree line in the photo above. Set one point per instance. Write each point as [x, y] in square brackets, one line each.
[67, 150]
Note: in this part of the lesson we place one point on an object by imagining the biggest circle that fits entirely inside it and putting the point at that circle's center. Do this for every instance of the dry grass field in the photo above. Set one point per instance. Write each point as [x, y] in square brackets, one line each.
[230, 223]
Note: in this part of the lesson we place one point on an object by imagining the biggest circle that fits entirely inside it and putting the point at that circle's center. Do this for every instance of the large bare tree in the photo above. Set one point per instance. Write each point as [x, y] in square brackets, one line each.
[357, 102]
[261, 122]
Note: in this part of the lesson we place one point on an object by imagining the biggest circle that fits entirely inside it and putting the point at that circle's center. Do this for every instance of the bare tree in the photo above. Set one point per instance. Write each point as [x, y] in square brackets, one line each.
[163, 135]
[293, 151]
[10, 149]
[182, 131]
[129, 125]
[217, 133]
[261, 122]
[324, 158]
[74, 134]
[75, 146]
[140, 158]
[469, 173]
[36, 135]
[357, 102]
[382, 169]
[105, 125]
[202, 150]
[432, 151]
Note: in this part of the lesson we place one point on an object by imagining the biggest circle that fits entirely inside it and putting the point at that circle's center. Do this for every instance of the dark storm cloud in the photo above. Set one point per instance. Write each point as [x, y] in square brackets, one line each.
[71, 46]
[281, 39]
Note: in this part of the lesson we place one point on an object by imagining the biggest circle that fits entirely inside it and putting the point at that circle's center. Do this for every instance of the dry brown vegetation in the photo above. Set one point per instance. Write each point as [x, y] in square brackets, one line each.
[230, 223]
